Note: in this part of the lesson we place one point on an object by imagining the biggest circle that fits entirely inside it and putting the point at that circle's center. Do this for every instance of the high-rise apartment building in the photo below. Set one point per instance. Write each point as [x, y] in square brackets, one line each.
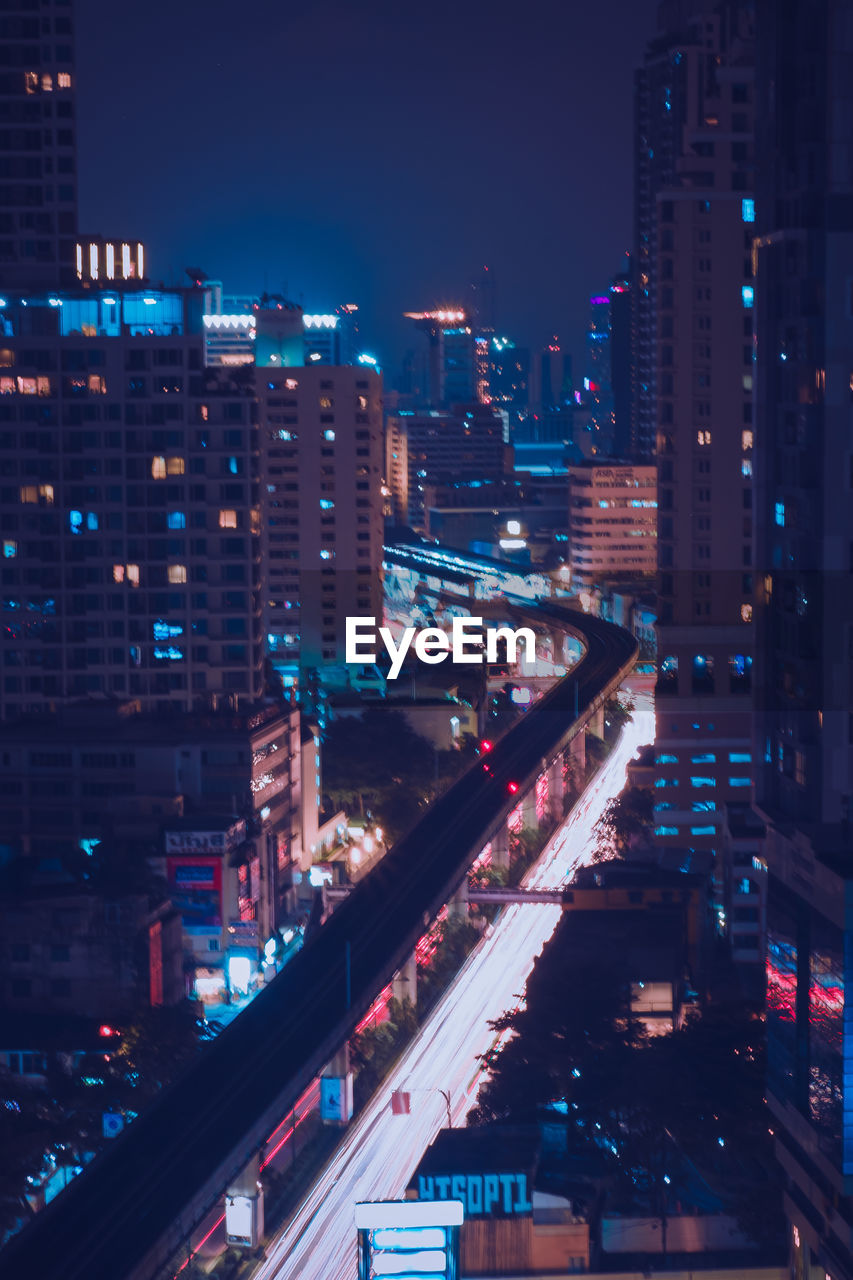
[321, 429]
[698, 313]
[38, 162]
[612, 522]
[129, 505]
[804, 677]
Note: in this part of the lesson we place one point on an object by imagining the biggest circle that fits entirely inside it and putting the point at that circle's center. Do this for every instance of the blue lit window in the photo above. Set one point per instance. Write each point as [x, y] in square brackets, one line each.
[10, 549]
[328, 435]
[176, 520]
[326, 504]
[666, 831]
[91, 520]
[234, 466]
[747, 294]
[708, 757]
[746, 467]
[740, 757]
[659, 808]
[75, 521]
[747, 210]
[326, 554]
[702, 831]
[703, 806]
[666, 782]
[667, 759]
[779, 514]
[740, 782]
[703, 782]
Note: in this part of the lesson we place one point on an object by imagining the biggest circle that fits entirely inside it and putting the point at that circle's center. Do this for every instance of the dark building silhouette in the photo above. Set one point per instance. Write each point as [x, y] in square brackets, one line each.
[804, 677]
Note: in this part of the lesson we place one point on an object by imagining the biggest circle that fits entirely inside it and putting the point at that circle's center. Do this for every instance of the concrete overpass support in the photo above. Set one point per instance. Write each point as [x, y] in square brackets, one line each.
[457, 907]
[404, 984]
[336, 1090]
[556, 788]
[595, 724]
[244, 1207]
[500, 848]
[528, 810]
[577, 758]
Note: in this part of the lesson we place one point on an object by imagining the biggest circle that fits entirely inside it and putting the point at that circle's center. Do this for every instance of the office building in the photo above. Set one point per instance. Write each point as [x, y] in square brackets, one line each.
[697, 319]
[804, 527]
[621, 362]
[321, 429]
[129, 505]
[612, 522]
[455, 369]
[38, 159]
[465, 446]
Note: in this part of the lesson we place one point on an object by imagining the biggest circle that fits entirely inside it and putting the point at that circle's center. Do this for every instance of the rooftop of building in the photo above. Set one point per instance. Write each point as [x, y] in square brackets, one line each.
[110, 723]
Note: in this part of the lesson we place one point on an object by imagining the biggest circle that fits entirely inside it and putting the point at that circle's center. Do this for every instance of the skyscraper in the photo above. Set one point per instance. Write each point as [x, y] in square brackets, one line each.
[804, 543]
[129, 504]
[38, 162]
[695, 315]
[321, 429]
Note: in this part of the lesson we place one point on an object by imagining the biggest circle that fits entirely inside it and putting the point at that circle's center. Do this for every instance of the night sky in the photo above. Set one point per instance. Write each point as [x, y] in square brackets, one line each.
[375, 153]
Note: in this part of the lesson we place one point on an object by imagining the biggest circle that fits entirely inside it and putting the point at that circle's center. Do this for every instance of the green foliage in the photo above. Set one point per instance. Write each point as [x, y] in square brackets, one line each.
[156, 1046]
[457, 937]
[377, 762]
[643, 1105]
[375, 1049]
[626, 823]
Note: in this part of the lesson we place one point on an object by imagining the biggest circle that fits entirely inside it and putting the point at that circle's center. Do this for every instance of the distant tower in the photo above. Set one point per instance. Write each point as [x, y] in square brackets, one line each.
[38, 194]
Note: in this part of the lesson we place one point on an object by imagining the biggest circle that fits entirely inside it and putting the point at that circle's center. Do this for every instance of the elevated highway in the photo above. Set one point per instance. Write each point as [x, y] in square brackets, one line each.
[138, 1201]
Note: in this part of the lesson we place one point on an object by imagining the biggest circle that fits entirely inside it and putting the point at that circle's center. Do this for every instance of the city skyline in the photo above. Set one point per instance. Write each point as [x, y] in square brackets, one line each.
[384, 183]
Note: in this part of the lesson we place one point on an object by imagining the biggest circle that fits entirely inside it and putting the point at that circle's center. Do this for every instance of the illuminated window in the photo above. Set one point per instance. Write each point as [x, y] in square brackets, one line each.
[158, 467]
[118, 573]
[177, 573]
[10, 549]
[47, 84]
[746, 613]
[747, 210]
[176, 520]
[228, 519]
[779, 514]
[31, 81]
[746, 439]
[133, 574]
[746, 468]
[63, 80]
[362, 402]
[46, 493]
[328, 435]
[203, 412]
[291, 384]
[325, 402]
[326, 554]
[29, 493]
[175, 466]
[703, 437]
[97, 385]
[7, 358]
[747, 294]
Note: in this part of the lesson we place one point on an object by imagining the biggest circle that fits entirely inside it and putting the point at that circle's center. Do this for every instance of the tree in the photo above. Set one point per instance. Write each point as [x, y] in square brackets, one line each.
[377, 761]
[156, 1046]
[625, 824]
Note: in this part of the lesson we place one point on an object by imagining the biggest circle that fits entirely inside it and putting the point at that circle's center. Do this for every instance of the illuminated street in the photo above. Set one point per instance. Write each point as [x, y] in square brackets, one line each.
[382, 1150]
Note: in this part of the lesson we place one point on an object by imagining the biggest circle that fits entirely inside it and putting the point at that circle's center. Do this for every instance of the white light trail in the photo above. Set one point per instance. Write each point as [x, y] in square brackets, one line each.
[382, 1150]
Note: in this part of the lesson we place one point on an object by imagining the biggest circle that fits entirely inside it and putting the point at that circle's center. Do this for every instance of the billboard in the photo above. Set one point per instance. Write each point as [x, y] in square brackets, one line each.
[408, 1237]
[336, 1099]
[199, 842]
[195, 887]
